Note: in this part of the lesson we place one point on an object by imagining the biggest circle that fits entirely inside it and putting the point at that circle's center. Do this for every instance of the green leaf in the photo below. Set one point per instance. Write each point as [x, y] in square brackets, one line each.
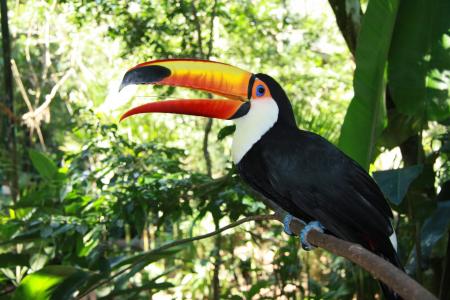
[435, 227]
[365, 116]
[395, 183]
[419, 59]
[46, 167]
[51, 282]
[226, 131]
[38, 261]
[13, 259]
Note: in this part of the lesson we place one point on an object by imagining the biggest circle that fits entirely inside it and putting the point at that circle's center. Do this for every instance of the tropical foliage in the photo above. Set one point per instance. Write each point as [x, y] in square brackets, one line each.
[95, 208]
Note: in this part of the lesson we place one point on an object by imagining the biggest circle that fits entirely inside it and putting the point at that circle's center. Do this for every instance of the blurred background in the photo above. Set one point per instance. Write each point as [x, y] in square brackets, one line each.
[85, 201]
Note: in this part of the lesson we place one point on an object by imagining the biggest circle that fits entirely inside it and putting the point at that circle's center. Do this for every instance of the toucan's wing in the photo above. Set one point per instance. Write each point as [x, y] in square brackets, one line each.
[253, 170]
[327, 185]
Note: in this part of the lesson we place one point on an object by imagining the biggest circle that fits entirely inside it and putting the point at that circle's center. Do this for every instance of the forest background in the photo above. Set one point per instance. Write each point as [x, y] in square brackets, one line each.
[85, 202]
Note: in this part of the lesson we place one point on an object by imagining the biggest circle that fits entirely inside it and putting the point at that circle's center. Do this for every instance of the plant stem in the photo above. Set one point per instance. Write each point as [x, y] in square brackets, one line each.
[206, 154]
[217, 263]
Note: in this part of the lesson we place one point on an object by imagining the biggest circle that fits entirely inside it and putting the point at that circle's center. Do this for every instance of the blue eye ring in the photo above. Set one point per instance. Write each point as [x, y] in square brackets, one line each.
[260, 90]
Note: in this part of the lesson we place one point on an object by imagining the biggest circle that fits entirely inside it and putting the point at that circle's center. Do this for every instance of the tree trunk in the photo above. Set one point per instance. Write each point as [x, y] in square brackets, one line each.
[8, 129]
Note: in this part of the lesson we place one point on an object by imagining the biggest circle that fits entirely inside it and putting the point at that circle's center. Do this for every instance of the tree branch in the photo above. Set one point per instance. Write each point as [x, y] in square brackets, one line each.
[33, 123]
[348, 18]
[211, 30]
[198, 29]
[380, 268]
[9, 114]
[206, 154]
[49, 97]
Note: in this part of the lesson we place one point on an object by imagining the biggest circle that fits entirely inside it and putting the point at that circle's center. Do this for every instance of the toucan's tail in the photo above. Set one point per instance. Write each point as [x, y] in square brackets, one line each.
[388, 293]
[390, 254]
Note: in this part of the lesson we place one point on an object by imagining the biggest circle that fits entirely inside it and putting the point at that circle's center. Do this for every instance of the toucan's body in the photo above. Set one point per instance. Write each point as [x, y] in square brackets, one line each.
[298, 170]
[313, 180]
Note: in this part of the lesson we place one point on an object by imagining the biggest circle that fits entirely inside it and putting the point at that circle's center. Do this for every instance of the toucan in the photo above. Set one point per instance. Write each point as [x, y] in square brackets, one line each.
[300, 171]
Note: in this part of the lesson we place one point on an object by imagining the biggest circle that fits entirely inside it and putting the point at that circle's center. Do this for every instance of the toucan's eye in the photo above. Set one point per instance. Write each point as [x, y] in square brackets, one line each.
[260, 90]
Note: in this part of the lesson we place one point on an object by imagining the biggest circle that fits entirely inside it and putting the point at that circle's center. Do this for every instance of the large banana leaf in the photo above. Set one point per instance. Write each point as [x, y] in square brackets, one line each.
[365, 116]
[419, 59]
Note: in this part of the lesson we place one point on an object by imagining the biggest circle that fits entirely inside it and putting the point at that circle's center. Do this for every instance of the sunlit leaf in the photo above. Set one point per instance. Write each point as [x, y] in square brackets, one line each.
[38, 261]
[365, 116]
[419, 59]
[51, 282]
[44, 165]
[395, 183]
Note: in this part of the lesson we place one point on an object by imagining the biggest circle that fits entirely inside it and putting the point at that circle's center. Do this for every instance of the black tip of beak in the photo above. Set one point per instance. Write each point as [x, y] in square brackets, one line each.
[144, 75]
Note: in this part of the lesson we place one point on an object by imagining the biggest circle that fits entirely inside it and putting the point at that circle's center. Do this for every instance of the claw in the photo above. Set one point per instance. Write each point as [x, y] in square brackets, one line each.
[314, 225]
[287, 222]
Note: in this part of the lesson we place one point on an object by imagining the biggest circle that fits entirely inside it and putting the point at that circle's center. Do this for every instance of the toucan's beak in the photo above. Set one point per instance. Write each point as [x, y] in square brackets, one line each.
[214, 77]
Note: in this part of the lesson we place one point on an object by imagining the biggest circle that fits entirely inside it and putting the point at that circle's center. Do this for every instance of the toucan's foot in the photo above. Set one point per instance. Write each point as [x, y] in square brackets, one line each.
[287, 223]
[314, 225]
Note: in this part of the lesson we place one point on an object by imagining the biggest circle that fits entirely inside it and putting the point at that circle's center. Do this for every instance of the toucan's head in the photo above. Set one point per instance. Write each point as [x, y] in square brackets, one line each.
[255, 102]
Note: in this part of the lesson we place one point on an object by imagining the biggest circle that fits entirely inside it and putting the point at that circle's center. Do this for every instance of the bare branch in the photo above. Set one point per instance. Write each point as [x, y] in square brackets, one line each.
[348, 18]
[11, 116]
[211, 30]
[33, 123]
[206, 154]
[19, 82]
[53, 92]
[198, 29]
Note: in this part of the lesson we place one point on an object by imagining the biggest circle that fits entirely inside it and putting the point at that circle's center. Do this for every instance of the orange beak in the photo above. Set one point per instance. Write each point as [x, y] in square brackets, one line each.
[214, 77]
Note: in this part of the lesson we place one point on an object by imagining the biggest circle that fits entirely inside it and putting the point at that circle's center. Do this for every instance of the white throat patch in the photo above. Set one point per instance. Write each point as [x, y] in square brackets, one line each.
[250, 128]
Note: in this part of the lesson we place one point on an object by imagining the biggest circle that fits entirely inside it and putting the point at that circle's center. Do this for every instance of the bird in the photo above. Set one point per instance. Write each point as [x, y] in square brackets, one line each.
[300, 171]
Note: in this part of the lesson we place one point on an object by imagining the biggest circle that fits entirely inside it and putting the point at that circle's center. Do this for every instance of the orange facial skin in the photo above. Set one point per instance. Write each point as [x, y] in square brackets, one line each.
[256, 90]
